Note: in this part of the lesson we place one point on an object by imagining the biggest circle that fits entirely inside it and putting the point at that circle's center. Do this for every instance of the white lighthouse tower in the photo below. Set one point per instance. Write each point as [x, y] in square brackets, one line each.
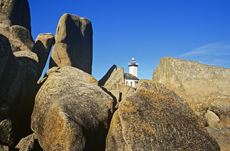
[133, 67]
[131, 77]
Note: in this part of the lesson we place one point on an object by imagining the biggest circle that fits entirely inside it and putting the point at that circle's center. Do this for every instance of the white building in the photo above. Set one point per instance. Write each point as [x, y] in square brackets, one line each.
[131, 77]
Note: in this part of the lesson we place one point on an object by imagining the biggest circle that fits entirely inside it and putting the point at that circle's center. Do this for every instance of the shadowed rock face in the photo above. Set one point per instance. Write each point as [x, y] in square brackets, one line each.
[42, 47]
[204, 87]
[18, 73]
[5, 53]
[71, 112]
[18, 76]
[155, 118]
[20, 69]
[15, 25]
[73, 45]
[15, 12]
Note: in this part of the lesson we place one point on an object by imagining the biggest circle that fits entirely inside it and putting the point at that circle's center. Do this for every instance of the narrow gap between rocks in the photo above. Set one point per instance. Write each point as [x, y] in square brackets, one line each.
[47, 64]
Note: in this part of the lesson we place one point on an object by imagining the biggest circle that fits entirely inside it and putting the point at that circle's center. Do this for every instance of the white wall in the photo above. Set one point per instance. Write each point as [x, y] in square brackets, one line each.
[133, 70]
[128, 82]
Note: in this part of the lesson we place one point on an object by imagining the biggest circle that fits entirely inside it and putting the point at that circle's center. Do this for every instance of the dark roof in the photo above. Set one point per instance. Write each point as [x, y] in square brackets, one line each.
[130, 76]
[132, 64]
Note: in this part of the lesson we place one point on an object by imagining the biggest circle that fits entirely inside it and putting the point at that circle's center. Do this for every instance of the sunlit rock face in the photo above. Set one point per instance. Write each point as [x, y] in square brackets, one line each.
[116, 81]
[71, 112]
[102, 81]
[73, 45]
[29, 143]
[156, 118]
[221, 135]
[204, 87]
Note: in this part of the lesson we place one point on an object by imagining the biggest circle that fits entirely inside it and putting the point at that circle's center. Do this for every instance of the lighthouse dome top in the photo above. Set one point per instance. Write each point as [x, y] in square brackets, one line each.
[133, 62]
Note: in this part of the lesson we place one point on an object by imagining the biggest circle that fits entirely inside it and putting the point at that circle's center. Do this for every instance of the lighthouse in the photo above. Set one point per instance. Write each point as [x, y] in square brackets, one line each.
[131, 77]
[133, 67]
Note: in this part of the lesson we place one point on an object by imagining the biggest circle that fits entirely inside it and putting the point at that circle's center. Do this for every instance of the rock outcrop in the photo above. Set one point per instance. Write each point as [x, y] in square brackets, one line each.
[78, 74]
[6, 134]
[15, 12]
[73, 43]
[102, 81]
[18, 88]
[15, 24]
[114, 85]
[20, 69]
[212, 119]
[71, 112]
[127, 90]
[4, 148]
[204, 87]
[222, 136]
[19, 37]
[116, 81]
[148, 120]
[29, 143]
[42, 47]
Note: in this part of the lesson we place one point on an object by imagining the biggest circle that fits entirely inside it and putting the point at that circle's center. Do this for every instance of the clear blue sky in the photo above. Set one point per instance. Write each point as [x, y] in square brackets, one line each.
[197, 30]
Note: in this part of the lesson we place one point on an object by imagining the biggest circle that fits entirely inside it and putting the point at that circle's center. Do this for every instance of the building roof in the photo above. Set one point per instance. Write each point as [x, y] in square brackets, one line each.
[130, 76]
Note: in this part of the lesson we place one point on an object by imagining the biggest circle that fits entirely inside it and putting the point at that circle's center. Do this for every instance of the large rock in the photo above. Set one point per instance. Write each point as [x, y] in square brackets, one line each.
[71, 112]
[222, 136]
[6, 134]
[15, 24]
[204, 87]
[19, 37]
[19, 71]
[73, 43]
[102, 81]
[18, 76]
[22, 34]
[42, 47]
[116, 81]
[4, 148]
[78, 74]
[127, 90]
[5, 51]
[155, 118]
[15, 12]
[212, 119]
[29, 143]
